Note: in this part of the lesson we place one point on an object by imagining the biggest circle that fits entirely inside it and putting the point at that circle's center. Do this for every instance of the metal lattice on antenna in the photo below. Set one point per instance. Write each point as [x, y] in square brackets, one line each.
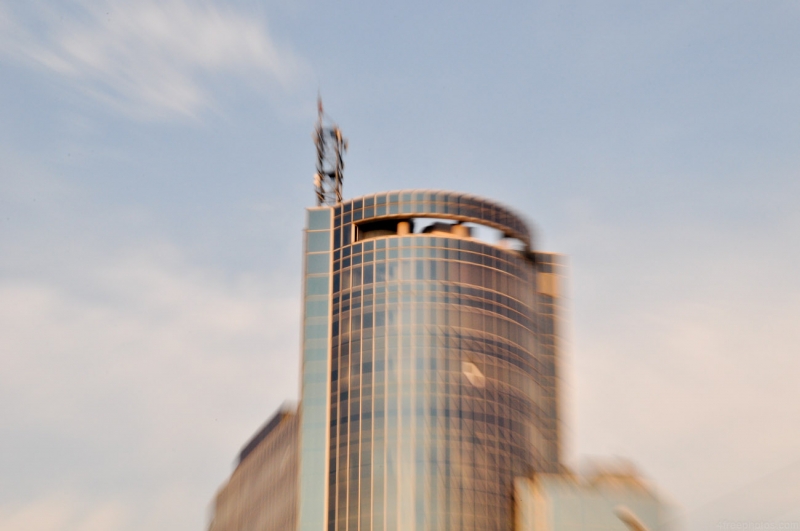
[331, 146]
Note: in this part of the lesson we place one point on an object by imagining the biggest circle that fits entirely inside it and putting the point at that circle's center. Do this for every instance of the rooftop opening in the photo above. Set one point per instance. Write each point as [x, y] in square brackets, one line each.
[436, 226]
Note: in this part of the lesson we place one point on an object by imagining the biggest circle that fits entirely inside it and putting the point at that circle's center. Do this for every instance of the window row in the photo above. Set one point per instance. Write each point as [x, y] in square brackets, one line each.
[464, 320]
[444, 271]
[433, 315]
[427, 293]
[427, 247]
[447, 203]
[477, 347]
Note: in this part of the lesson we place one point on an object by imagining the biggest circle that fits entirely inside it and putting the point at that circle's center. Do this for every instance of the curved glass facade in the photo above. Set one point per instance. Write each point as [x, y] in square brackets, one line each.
[434, 204]
[437, 394]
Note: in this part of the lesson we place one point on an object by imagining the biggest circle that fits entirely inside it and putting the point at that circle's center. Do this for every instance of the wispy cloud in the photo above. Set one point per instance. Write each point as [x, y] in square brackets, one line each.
[130, 375]
[62, 512]
[144, 368]
[148, 58]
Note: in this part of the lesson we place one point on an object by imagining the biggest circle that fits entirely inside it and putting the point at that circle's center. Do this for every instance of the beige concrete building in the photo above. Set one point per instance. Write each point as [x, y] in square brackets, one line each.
[603, 501]
[261, 494]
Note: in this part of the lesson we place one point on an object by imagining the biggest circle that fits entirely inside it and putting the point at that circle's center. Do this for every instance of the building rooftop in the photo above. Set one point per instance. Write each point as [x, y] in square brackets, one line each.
[265, 430]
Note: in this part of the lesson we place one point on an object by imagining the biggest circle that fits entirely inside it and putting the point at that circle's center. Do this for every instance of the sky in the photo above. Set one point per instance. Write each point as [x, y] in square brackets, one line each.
[156, 159]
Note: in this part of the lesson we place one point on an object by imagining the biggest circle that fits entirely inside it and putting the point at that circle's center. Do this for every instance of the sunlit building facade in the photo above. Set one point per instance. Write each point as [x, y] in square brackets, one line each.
[261, 494]
[430, 364]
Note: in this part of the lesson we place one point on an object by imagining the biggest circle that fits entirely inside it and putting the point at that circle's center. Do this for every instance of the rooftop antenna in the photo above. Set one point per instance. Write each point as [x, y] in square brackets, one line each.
[331, 146]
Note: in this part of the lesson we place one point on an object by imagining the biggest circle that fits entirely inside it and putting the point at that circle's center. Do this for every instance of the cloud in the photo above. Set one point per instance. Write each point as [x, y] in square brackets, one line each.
[63, 512]
[685, 357]
[148, 58]
[130, 375]
[144, 375]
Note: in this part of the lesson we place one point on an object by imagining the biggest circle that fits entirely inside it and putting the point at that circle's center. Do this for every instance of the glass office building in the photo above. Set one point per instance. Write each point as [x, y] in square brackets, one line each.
[429, 377]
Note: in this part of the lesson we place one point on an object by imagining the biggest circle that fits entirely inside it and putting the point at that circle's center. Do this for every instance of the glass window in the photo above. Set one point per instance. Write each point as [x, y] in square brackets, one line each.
[319, 218]
[419, 269]
[316, 330]
[316, 308]
[317, 286]
[318, 241]
[318, 263]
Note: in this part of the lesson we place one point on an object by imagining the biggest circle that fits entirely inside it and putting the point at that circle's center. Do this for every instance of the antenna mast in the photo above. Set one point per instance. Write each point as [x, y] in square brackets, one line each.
[331, 146]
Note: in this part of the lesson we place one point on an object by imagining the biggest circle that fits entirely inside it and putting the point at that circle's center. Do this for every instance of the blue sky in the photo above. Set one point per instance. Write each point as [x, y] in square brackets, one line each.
[156, 158]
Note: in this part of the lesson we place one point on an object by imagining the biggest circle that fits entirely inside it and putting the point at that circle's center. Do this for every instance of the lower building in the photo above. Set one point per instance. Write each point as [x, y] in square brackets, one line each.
[605, 501]
[261, 494]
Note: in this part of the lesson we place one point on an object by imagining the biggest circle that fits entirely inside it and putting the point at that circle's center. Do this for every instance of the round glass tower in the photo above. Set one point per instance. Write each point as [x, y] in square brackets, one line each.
[441, 382]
